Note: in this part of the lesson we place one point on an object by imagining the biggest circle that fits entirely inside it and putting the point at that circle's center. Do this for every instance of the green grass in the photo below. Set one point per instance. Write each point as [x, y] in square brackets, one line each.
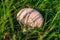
[10, 28]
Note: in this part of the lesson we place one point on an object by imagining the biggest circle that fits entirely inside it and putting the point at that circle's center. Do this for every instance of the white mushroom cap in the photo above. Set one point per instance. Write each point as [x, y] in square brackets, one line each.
[30, 17]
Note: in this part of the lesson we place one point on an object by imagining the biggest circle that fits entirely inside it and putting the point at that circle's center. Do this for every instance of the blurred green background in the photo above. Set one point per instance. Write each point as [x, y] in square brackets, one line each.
[11, 30]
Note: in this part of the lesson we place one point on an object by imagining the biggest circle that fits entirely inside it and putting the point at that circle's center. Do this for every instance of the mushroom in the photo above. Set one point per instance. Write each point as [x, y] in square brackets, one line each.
[31, 17]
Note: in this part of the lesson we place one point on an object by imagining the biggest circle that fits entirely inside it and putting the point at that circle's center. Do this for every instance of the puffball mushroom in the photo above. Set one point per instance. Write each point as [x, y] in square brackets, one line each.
[31, 17]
